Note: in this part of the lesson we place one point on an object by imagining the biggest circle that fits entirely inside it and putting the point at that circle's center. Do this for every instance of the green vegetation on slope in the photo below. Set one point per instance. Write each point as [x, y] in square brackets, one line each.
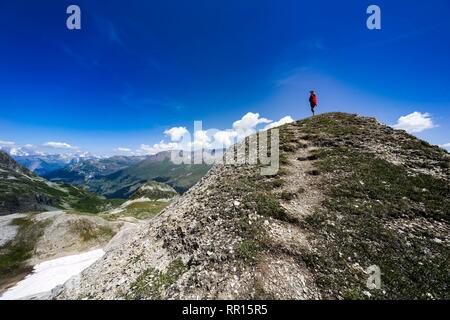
[361, 220]
[377, 212]
[23, 191]
[155, 191]
[141, 210]
[85, 201]
[15, 253]
[152, 282]
[124, 183]
[89, 230]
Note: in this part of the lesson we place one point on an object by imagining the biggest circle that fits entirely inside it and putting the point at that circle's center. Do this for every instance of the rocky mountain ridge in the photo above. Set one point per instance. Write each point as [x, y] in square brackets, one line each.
[351, 193]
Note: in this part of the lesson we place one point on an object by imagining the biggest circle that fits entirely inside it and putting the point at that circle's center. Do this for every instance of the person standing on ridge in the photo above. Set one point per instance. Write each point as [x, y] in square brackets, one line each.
[313, 101]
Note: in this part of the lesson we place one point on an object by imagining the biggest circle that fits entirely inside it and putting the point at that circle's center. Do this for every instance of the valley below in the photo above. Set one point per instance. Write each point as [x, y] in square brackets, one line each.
[39, 251]
[62, 228]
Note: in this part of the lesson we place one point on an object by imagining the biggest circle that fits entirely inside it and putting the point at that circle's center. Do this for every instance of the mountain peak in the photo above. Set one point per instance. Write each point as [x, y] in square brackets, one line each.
[351, 194]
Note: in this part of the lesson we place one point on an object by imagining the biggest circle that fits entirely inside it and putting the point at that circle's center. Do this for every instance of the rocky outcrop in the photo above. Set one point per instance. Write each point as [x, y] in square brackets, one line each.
[8, 163]
[155, 191]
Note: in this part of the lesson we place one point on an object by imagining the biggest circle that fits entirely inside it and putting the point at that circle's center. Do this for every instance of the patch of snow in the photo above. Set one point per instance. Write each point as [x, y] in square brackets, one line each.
[130, 202]
[50, 274]
[116, 211]
[144, 188]
[158, 187]
[164, 200]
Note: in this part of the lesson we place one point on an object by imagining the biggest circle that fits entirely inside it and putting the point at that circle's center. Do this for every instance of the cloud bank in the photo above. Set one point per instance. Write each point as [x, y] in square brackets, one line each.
[59, 145]
[415, 122]
[213, 138]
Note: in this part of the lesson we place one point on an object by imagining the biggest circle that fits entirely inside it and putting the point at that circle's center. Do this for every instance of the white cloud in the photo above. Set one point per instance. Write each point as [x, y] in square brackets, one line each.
[158, 147]
[7, 143]
[282, 121]
[415, 122]
[58, 145]
[128, 150]
[445, 146]
[201, 136]
[248, 123]
[201, 141]
[176, 133]
[225, 138]
[212, 138]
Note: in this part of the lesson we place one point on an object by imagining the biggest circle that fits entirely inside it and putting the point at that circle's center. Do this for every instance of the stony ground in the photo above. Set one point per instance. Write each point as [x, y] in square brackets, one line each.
[67, 234]
[351, 193]
[29, 239]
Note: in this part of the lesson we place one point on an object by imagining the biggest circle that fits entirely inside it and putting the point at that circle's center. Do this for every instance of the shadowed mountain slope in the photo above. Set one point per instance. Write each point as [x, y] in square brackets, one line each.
[23, 191]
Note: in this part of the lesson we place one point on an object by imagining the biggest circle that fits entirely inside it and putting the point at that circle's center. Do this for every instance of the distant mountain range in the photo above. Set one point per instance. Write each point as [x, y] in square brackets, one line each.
[21, 190]
[42, 164]
[114, 177]
[70, 168]
[159, 168]
[81, 171]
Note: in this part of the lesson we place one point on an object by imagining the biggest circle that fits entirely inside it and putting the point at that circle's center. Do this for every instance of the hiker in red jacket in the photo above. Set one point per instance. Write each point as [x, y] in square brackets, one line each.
[313, 101]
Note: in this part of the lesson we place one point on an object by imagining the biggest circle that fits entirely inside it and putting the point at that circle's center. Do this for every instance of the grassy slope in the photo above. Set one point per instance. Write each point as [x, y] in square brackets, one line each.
[374, 213]
[155, 191]
[125, 182]
[140, 210]
[22, 193]
[14, 254]
[378, 213]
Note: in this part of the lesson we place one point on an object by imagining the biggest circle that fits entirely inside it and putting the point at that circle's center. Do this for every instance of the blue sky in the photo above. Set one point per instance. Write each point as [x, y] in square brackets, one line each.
[139, 68]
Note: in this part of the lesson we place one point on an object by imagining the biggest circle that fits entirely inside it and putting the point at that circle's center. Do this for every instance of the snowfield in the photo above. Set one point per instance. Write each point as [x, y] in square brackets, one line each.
[49, 274]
